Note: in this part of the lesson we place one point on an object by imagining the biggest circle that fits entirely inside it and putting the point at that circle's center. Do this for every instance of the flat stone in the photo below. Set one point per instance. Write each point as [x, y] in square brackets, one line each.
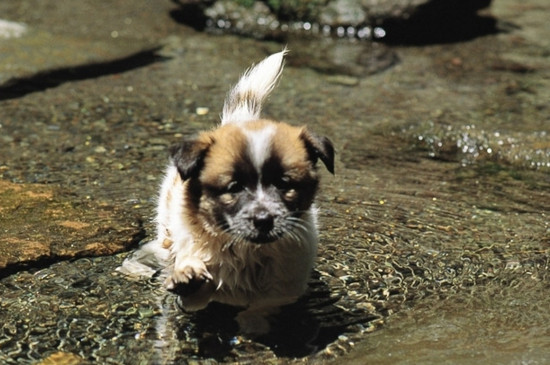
[40, 222]
[34, 40]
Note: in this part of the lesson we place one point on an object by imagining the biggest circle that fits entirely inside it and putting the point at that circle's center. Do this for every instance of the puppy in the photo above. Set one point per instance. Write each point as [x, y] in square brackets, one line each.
[236, 220]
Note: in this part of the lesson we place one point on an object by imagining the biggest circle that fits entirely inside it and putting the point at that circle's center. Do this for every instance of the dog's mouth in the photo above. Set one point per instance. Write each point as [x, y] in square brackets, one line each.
[260, 228]
[257, 237]
[264, 238]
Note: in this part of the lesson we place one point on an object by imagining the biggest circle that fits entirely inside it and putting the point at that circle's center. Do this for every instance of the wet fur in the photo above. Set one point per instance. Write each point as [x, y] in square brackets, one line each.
[236, 220]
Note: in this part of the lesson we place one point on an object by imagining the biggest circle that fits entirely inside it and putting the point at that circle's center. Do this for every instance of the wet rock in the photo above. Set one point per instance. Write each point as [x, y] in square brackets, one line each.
[372, 19]
[41, 223]
[343, 12]
[53, 36]
[250, 20]
[342, 57]
[40, 50]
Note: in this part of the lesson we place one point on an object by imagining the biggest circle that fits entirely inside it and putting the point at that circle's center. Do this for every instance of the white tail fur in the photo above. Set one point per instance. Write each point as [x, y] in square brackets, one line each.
[244, 102]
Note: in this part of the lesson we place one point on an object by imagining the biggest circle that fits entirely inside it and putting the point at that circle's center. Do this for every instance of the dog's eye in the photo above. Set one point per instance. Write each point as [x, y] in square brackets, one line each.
[284, 183]
[234, 187]
[290, 195]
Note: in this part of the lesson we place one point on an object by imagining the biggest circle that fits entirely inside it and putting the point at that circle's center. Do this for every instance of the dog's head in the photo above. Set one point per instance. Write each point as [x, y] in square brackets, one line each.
[252, 181]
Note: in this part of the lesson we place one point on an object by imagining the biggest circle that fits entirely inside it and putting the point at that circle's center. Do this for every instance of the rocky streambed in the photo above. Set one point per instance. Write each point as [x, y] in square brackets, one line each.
[435, 236]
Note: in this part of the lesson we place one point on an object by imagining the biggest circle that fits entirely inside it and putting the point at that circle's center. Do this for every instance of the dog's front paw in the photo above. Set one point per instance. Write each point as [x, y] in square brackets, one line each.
[187, 277]
[192, 282]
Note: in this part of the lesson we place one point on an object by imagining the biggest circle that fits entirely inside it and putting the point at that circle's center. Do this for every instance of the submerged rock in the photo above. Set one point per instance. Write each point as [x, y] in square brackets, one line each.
[342, 57]
[43, 223]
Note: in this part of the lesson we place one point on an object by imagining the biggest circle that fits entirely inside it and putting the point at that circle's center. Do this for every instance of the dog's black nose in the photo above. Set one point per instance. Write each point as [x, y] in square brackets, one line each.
[263, 221]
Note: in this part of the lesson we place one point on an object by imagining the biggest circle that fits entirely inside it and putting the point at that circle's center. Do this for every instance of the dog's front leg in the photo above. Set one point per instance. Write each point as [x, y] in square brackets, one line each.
[191, 280]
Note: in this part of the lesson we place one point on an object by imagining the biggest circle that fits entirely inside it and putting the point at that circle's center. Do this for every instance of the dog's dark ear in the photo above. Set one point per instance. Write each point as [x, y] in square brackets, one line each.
[319, 148]
[188, 157]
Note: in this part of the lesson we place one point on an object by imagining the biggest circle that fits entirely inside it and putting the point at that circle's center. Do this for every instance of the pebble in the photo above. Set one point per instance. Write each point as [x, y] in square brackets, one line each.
[343, 80]
[10, 29]
[202, 110]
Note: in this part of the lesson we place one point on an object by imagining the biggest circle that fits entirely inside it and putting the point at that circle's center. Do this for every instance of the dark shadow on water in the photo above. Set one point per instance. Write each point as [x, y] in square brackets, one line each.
[18, 87]
[299, 330]
[439, 22]
[189, 13]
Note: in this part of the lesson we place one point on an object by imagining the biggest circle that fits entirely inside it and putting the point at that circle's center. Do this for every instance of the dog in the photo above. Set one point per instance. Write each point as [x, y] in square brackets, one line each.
[236, 218]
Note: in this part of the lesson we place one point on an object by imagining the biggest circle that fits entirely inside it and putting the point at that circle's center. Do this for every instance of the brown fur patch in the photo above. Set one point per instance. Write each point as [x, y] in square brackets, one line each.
[227, 148]
[290, 148]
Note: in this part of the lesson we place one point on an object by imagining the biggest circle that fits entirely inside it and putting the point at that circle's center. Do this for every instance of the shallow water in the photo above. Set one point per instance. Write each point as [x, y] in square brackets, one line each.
[435, 234]
[504, 325]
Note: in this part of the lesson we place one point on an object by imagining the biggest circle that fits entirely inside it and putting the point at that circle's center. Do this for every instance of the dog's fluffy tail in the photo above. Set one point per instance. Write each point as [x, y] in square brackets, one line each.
[244, 102]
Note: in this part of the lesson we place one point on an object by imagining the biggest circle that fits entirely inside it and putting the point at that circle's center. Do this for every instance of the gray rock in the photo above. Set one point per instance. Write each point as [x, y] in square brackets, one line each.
[349, 18]
[34, 39]
[378, 10]
[257, 20]
[340, 12]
